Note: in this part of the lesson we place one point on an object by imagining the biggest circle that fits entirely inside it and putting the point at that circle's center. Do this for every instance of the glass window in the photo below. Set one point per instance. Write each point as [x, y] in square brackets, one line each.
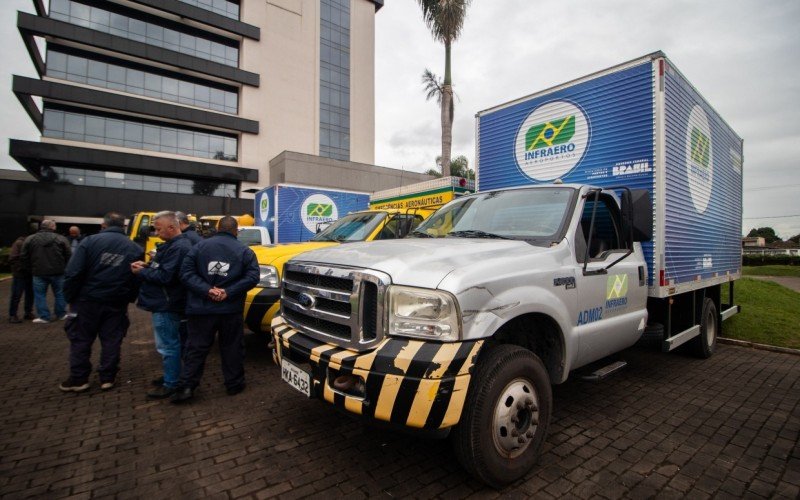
[95, 127]
[53, 125]
[135, 29]
[77, 66]
[56, 61]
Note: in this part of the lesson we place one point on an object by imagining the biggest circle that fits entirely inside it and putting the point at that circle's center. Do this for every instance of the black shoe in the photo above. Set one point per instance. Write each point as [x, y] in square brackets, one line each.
[71, 385]
[162, 392]
[232, 391]
[182, 395]
[158, 382]
[28, 316]
[14, 319]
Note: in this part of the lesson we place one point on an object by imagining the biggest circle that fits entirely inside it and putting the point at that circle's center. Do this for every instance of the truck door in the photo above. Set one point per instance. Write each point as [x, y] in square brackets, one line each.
[611, 305]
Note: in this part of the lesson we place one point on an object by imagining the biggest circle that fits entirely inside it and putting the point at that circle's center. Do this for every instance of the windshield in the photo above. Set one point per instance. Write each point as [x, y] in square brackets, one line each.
[352, 227]
[535, 214]
[249, 236]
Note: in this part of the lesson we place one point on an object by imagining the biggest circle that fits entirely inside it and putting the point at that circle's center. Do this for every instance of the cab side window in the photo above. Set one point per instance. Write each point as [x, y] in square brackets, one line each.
[606, 234]
[392, 229]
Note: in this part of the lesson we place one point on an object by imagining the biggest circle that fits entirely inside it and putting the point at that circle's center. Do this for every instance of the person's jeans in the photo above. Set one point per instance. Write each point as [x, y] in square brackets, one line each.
[21, 285]
[168, 343]
[40, 283]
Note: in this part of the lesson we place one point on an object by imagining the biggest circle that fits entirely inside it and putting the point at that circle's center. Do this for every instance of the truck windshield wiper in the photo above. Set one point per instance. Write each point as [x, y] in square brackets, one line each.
[476, 233]
[421, 234]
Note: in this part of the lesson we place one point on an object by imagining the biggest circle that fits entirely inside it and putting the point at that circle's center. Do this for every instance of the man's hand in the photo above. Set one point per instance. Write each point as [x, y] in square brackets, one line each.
[217, 294]
[137, 266]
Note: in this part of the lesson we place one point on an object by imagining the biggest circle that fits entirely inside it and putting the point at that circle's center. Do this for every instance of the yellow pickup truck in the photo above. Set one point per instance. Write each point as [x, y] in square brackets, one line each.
[392, 214]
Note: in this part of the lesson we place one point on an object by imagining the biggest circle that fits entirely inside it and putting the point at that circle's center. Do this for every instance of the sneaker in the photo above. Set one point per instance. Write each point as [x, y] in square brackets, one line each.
[28, 316]
[41, 321]
[70, 385]
[162, 392]
[157, 382]
[14, 319]
[107, 385]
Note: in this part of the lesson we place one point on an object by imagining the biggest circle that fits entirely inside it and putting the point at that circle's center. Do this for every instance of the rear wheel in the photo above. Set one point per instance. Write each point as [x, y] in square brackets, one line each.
[506, 416]
[704, 344]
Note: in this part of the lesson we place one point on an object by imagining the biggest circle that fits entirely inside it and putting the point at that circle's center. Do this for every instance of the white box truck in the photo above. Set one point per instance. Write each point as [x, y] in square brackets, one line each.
[608, 209]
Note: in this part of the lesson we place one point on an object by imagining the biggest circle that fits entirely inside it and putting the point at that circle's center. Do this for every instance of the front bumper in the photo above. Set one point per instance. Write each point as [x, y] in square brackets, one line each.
[406, 382]
[260, 306]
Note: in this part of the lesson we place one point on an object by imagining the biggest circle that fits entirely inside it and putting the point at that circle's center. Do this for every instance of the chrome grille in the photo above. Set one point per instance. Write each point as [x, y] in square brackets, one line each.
[341, 305]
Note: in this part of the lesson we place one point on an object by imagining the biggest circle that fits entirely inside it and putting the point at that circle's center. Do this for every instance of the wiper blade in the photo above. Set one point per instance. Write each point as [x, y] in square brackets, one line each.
[476, 233]
[422, 234]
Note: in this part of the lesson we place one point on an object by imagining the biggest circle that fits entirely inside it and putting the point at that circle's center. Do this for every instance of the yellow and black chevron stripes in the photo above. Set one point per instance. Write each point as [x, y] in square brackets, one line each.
[262, 307]
[407, 382]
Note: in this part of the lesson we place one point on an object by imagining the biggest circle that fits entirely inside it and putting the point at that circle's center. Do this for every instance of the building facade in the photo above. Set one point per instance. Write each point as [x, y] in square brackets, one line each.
[195, 98]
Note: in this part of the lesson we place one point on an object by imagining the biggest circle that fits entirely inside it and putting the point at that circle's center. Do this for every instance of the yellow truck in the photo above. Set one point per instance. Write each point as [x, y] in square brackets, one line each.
[393, 213]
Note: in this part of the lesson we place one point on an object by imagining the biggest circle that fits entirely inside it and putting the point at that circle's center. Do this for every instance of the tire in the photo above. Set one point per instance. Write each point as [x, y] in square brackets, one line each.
[486, 440]
[703, 345]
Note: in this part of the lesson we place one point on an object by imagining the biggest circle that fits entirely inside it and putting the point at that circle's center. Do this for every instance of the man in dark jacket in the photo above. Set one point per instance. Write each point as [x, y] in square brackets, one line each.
[163, 294]
[99, 286]
[45, 255]
[217, 272]
[188, 229]
[22, 283]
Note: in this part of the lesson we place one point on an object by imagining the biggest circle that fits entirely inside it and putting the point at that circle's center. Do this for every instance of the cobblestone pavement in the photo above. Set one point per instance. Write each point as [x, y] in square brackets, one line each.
[668, 426]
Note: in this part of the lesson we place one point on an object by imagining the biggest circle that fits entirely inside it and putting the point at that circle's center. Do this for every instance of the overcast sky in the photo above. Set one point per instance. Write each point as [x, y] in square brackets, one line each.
[741, 55]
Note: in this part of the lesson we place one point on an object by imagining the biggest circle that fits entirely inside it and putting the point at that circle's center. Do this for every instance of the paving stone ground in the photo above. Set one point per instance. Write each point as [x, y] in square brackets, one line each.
[668, 426]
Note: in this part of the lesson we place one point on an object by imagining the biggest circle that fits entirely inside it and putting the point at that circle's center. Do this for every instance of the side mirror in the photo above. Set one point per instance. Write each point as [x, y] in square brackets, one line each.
[637, 214]
[143, 234]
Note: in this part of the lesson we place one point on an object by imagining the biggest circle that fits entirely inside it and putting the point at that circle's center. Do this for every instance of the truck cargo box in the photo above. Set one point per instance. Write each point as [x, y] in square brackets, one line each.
[644, 126]
[292, 213]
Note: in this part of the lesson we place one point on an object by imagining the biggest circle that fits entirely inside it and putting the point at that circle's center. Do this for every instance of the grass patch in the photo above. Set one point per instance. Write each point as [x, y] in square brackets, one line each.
[771, 271]
[770, 314]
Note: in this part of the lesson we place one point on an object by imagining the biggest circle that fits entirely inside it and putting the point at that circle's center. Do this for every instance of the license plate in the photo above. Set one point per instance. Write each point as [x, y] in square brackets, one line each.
[296, 377]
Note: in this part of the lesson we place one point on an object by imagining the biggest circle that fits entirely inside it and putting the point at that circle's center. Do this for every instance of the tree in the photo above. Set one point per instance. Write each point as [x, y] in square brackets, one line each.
[764, 232]
[459, 167]
[795, 239]
[445, 19]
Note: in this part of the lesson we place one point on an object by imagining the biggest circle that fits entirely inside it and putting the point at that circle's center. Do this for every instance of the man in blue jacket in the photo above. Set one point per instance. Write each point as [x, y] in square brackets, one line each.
[163, 294]
[99, 285]
[217, 273]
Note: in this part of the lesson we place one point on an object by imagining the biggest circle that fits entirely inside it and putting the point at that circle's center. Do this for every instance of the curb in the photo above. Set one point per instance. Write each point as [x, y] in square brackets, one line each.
[762, 347]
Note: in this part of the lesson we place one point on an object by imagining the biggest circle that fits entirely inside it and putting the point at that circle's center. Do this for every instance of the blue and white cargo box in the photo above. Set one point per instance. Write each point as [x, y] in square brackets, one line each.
[292, 213]
[642, 125]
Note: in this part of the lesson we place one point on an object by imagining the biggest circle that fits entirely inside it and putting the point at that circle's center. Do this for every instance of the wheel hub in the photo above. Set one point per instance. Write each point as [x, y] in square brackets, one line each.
[516, 418]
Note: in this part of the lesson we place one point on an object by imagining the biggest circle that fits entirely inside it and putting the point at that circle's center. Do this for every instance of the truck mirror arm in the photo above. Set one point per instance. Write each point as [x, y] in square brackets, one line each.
[591, 230]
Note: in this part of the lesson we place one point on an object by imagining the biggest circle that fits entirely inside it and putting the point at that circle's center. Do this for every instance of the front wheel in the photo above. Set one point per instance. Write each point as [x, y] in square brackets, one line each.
[506, 416]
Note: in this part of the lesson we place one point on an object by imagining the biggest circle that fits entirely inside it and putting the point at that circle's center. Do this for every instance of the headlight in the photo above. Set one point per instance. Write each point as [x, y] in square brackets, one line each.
[422, 313]
[268, 277]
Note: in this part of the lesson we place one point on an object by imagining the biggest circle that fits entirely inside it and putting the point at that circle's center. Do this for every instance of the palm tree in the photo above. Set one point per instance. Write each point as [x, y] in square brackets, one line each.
[444, 18]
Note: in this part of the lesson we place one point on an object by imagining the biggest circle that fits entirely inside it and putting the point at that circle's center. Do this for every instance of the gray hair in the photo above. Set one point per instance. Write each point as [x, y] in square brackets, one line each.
[182, 218]
[170, 217]
[48, 224]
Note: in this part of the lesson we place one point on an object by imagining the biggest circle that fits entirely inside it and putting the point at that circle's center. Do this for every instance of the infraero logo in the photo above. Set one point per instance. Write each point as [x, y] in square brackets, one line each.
[700, 147]
[699, 158]
[551, 140]
[616, 291]
[318, 208]
[263, 206]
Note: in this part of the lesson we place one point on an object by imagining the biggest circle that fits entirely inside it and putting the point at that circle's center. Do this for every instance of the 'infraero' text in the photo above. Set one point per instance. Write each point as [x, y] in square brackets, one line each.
[552, 150]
